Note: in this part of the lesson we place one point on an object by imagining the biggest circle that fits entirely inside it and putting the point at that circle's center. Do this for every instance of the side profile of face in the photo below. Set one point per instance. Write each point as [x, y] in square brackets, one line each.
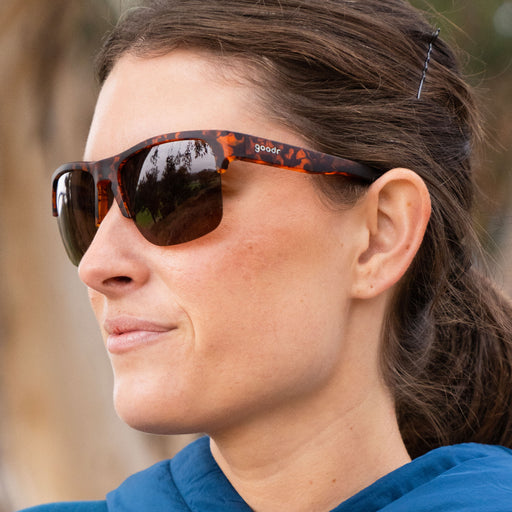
[255, 318]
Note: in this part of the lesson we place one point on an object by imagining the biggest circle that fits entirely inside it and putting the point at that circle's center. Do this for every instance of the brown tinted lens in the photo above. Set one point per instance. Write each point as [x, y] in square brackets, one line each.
[173, 191]
[75, 206]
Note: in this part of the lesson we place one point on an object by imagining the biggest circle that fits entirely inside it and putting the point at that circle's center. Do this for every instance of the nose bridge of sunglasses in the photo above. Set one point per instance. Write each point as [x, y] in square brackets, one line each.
[104, 198]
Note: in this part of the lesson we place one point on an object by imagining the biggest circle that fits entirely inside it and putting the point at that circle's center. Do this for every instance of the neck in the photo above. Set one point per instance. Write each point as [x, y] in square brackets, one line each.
[322, 461]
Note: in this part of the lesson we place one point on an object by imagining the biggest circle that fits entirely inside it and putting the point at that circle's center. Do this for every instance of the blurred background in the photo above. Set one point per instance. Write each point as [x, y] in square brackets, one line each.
[59, 436]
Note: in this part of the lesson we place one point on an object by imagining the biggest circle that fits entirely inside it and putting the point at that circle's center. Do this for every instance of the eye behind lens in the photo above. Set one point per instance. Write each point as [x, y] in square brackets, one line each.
[173, 191]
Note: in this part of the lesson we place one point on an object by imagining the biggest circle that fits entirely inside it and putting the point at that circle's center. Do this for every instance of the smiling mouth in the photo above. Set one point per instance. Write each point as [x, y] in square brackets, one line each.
[128, 334]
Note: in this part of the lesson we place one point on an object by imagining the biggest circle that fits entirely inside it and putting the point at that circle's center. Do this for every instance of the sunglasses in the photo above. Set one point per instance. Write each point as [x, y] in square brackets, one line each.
[170, 185]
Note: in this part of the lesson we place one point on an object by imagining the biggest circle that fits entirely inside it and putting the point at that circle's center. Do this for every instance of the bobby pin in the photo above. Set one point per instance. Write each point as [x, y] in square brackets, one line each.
[435, 35]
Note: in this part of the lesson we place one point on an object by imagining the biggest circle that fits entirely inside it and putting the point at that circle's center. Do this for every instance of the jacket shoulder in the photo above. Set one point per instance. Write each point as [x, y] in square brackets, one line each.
[477, 478]
[70, 506]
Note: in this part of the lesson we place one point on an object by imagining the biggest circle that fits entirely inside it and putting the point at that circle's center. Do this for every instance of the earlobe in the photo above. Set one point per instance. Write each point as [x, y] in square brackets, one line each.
[397, 210]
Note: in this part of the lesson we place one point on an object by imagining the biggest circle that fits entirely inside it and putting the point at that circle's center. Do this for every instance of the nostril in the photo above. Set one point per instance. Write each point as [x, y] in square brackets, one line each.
[120, 280]
[117, 283]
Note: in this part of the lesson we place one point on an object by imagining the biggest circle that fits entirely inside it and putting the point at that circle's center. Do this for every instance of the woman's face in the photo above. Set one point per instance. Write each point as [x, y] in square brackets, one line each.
[228, 328]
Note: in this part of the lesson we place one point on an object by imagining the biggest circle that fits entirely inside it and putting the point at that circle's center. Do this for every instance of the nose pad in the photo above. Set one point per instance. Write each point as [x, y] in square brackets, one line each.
[104, 200]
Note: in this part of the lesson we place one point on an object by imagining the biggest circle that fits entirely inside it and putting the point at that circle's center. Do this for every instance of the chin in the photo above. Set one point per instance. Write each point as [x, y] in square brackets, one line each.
[152, 413]
[161, 422]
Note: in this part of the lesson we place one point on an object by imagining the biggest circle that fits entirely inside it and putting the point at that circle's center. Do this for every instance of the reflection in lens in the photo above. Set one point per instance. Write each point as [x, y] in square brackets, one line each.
[174, 191]
[75, 207]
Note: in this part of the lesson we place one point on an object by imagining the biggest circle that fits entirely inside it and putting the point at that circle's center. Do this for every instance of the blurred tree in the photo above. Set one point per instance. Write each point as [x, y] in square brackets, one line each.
[59, 437]
[484, 31]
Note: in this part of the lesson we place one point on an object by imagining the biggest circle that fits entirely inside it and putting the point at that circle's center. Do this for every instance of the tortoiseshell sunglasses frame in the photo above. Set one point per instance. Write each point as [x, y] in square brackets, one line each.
[226, 146]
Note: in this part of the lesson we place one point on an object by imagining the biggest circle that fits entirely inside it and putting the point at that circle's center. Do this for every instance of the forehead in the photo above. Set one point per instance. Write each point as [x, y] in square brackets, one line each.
[183, 90]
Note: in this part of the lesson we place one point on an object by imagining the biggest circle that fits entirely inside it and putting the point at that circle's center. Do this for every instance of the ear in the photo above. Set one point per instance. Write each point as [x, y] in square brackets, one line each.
[397, 210]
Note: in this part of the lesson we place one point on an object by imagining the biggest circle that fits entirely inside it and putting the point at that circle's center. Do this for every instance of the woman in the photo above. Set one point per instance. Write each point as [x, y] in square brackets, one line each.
[328, 329]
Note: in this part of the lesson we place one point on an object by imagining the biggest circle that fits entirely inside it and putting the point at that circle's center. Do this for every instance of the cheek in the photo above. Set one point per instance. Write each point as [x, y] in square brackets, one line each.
[265, 303]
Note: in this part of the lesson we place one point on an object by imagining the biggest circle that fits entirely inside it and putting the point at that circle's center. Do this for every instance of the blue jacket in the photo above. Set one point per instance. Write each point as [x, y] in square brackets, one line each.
[461, 478]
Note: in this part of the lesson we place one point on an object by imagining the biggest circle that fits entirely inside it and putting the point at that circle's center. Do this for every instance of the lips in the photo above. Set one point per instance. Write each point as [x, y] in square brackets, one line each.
[125, 334]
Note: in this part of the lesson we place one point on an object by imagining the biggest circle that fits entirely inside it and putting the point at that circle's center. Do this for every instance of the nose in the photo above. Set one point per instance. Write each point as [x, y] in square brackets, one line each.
[114, 263]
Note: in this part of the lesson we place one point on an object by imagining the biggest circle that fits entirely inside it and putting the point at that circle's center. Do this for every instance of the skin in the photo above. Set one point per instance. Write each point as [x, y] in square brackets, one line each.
[264, 333]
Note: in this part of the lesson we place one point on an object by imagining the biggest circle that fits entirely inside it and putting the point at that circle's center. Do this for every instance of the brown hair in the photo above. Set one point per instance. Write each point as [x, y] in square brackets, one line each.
[345, 74]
